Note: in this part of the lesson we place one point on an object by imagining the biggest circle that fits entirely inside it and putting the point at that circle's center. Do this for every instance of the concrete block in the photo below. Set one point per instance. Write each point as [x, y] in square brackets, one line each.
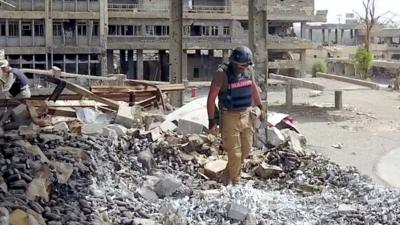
[148, 194]
[125, 116]
[61, 127]
[166, 186]
[238, 212]
[20, 114]
[267, 171]
[92, 128]
[167, 126]
[155, 134]
[119, 129]
[189, 127]
[30, 131]
[215, 168]
[275, 136]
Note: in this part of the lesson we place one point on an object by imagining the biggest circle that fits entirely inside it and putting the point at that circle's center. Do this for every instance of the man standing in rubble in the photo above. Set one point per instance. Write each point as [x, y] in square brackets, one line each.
[13, 81]
[237, 92]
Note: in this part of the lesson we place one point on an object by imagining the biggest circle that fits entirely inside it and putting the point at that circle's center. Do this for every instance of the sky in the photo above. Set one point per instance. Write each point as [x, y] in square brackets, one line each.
[341, 7]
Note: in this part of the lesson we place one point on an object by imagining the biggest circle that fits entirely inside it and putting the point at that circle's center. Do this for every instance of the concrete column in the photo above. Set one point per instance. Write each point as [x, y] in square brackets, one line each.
[258, 29]
[303, 58]
[310, 34]
[184, 66]
[33, 31]
[64, 66]
[329, 36]
[341, 36]
[302, 30]
[122, 62]
[225, 55]
[7, 30]
[89, 61]
[176, 49]
[110, 61]
[130, 73]
[103, 31]
[20, 31]
[139, 64]
[76, 63]
[336, 36]
[323, 36]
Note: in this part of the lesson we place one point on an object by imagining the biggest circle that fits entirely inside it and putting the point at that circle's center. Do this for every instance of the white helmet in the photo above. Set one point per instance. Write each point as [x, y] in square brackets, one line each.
[4, 63]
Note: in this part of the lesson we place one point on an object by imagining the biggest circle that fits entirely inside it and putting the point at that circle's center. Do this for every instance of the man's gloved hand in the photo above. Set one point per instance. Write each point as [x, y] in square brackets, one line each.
[212, 123]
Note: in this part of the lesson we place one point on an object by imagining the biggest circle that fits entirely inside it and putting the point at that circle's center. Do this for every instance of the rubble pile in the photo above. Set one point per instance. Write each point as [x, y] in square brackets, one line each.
[128, 167]
[64, 178]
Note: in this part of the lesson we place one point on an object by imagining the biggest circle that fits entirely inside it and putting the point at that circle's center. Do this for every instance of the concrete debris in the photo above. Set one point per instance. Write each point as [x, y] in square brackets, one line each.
[103, 173]
[275, 137]
[215, 168]
[166, 186]
[20, 114]
[63, 127]
[168, 126]
[189, 127]
[338, 146]
[268, 171]
[238, 212]
[125, 116]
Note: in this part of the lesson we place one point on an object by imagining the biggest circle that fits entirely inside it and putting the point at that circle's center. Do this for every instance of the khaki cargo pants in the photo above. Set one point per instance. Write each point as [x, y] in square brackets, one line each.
[237, 133]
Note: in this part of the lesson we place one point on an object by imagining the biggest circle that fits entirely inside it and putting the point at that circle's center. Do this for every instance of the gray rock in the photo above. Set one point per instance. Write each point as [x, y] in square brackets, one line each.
[146, 159]
[4, 215]
[238, 212]
[148, 194]
[166, 186]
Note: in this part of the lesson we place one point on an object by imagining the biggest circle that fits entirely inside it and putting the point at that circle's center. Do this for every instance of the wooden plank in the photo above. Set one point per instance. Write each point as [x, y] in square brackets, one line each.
[67, 103]
[349, 80]
[298, 82]
[137, 89]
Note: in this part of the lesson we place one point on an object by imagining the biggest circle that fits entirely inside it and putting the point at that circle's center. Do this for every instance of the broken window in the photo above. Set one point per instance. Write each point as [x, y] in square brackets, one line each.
[2, 29]
[153, 30]
[57, 29]
[26, 29]
[129, 30]
[82, 29]
[195, 30]
[150, 30]
[227, 31]
[112, 30]
[95, 31]
[137, 30]
[205, 31]
[13, 29]
[214, 31]
[196, 72]
[39, 30]
[186, 30]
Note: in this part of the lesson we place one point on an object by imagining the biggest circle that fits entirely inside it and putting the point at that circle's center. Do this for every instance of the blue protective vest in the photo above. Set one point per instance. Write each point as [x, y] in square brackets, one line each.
[239, 94]
[20, 81]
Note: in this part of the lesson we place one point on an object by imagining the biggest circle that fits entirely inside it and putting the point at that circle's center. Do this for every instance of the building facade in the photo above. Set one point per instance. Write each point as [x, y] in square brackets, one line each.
[100, 37]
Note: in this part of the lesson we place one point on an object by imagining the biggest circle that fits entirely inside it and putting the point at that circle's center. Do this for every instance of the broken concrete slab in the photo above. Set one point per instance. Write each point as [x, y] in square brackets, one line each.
[125, 116]
[3, 185]
[166, 186]
[62, 126]
[215, 168]
[28, 131]
[268, 171]
[195, 141]
[20, 114]
[4, 216]
[168, 126]
[119, 129]
[37, 188]
[33, 149]
[92, 128]
[64, 171]
[155, 134]
[148, 194]
[141, 221]
[19, 217]
[147, 160]
[189, 127]
[275, 137]
[238, 212]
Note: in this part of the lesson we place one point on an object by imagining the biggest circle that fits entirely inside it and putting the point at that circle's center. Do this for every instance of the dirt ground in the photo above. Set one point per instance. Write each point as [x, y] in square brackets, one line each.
[365, 130]
[359, 135]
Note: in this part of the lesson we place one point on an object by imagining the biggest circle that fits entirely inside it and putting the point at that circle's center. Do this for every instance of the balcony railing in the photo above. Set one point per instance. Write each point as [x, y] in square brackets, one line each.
[143, 8]
[162, 39]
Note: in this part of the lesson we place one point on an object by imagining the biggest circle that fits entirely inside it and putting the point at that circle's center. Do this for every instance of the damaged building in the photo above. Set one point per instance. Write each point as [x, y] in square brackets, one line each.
[98, 37]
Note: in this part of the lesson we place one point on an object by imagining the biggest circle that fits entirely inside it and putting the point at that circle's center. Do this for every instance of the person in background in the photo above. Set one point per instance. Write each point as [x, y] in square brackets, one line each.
[237, 92]
[13, 81]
